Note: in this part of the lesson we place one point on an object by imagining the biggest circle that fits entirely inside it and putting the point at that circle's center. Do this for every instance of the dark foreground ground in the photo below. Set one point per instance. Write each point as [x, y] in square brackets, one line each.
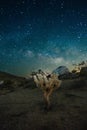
[23, 109]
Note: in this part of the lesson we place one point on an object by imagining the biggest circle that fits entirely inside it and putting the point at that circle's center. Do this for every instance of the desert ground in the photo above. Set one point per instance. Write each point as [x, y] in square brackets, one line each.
[23, 108]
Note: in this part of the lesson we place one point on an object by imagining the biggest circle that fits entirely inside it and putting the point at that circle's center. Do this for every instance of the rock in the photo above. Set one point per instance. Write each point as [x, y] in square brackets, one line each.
[61, 70]
[1, 82]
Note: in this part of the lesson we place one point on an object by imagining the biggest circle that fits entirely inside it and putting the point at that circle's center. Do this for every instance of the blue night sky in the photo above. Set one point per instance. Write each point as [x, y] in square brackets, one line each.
[42, 34]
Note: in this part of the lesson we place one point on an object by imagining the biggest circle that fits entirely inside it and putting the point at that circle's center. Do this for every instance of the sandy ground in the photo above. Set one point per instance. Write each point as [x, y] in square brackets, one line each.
[24, 110]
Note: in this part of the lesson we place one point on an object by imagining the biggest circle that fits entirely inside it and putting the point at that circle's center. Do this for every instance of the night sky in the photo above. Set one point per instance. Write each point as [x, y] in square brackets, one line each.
[42, 34]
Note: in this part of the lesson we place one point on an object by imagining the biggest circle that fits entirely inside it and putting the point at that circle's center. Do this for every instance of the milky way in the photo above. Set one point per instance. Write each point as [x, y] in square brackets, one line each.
[42, 34]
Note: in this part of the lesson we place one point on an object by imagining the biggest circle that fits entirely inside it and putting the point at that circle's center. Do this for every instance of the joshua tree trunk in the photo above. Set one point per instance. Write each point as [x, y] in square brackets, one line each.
[47, 95]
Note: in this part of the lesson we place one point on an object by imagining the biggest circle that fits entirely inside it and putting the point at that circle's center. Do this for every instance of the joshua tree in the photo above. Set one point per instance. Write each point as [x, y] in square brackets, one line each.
[48, 83]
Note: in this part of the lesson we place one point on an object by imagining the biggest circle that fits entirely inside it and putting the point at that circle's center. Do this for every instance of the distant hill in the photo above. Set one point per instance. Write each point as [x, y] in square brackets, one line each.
[9, 82]
[5, 76]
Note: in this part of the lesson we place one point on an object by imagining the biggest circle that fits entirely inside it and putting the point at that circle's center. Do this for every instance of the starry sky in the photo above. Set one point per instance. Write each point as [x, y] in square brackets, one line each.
[42, 34]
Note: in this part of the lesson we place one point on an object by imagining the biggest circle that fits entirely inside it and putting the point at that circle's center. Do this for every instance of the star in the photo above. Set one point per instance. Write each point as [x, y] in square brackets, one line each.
[45, 33]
